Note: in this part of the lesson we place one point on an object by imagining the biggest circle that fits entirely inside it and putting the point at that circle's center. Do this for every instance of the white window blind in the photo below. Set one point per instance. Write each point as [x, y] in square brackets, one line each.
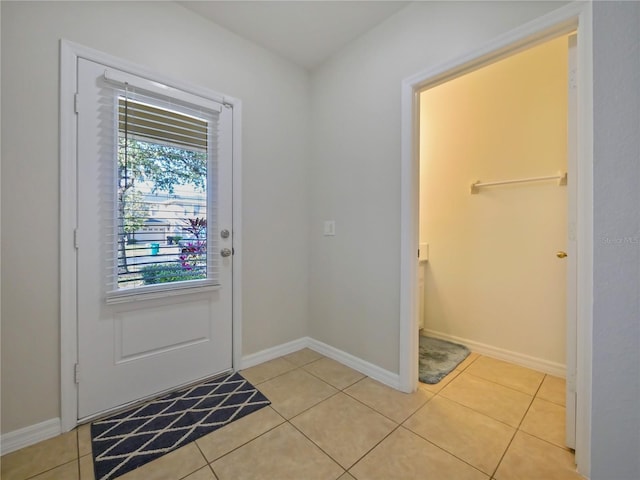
[162, 203]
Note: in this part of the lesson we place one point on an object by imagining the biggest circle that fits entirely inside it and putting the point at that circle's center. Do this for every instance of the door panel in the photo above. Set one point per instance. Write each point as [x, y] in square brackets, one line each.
[154, 331]
[140, 345]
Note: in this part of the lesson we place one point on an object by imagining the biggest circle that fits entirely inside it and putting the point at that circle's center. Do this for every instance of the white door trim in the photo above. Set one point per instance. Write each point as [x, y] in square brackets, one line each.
[69, 54]
[577, 15]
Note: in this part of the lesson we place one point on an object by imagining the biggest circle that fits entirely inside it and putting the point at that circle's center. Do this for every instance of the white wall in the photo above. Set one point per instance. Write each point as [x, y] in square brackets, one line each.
[615, 452]
[355, 276]
[174, 41]
[493, 279]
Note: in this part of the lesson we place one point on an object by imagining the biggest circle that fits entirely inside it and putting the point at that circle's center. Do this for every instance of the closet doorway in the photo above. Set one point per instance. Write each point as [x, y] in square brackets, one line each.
[575, 17]
[572, 18]
[493, 209]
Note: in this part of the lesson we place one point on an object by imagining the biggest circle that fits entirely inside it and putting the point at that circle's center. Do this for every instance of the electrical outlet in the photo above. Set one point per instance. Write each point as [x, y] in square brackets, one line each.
[329, 228]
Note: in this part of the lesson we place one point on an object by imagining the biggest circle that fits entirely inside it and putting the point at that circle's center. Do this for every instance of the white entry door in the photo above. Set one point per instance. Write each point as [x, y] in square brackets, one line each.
[154, 238]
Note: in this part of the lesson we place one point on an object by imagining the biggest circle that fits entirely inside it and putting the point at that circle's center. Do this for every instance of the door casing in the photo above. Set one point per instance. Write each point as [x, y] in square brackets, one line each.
[69, 54]
[573, 17]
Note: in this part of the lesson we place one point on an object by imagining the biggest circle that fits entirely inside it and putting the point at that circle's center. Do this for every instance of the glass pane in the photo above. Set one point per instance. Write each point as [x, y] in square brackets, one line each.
[161, 203]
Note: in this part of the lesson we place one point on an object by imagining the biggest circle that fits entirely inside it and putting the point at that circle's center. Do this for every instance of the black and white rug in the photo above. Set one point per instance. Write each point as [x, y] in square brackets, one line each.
[133, 438]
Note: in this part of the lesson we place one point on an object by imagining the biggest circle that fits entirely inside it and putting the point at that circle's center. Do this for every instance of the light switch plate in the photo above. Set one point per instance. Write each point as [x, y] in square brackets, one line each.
[329, 228]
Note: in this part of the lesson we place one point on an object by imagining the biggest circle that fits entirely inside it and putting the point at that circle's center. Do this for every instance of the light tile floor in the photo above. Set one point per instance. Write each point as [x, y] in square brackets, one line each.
[487, 419]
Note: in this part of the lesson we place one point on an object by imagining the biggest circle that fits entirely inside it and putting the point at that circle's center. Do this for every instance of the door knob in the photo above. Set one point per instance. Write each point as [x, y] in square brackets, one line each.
[561, 254]
[225, 252]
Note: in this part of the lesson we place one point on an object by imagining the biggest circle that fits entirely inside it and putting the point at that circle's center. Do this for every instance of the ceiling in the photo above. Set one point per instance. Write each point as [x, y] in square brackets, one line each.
[304, 32]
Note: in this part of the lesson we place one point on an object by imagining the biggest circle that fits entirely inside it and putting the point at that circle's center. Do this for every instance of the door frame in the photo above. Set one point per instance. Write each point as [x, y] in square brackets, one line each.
[70, 52]
[575, 16]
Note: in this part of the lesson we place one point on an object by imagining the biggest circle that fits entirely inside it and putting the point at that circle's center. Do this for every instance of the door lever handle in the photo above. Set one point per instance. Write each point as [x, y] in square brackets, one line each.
[561, 254]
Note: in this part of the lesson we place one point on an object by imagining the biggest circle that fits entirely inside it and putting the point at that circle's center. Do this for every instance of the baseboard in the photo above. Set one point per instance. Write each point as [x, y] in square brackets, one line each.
[12, 441]
[369, 369]
[273, 352]
[539, 364]
[32, 434]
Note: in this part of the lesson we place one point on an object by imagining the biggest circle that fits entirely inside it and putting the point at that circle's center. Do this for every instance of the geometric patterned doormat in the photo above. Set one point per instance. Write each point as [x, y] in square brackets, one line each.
[130, 439]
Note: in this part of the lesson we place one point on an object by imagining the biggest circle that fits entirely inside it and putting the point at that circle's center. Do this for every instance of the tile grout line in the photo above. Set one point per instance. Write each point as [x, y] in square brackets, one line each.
[248, 441]
[324, 381]
[285, 420]
[77, 429]
[401, 424]
[338, 390]
[316, 445]
[518, 428]
[304, 370]
[398, 425]
[77, 460]
[445, 450]
[315, 405]
[380, 413]
[533, 396]
[471, 362]
[206, 462]
[310, 407]
[564, 405]
[490, 476]
[320, 378]
[288, 420]
[506, 386]
[458, 373]
[283, 357]
[479, 412]
[255, 384]
[544, 400]
[346, 470]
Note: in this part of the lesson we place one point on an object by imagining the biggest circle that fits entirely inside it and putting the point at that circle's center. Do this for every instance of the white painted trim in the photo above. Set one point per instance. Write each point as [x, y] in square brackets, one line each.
[535, 363]
[80, 51]
[369, 369]
[576, 15]
[383, 376]
[69, 54]
[584, 287]
[571, 283]
[24, 437]
[274, 352]
[409, 224]
[237, 233]
[68, 259]
[32, 434]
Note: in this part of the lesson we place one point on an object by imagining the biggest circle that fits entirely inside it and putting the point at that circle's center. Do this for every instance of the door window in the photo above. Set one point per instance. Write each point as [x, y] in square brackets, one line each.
[165, 177]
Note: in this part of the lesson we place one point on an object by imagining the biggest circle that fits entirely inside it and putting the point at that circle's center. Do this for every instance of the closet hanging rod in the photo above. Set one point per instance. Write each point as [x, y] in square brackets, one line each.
[561, 177]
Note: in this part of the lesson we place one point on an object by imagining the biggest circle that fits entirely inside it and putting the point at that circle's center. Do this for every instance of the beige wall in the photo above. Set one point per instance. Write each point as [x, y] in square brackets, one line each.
[493, 276]
[172, 40]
